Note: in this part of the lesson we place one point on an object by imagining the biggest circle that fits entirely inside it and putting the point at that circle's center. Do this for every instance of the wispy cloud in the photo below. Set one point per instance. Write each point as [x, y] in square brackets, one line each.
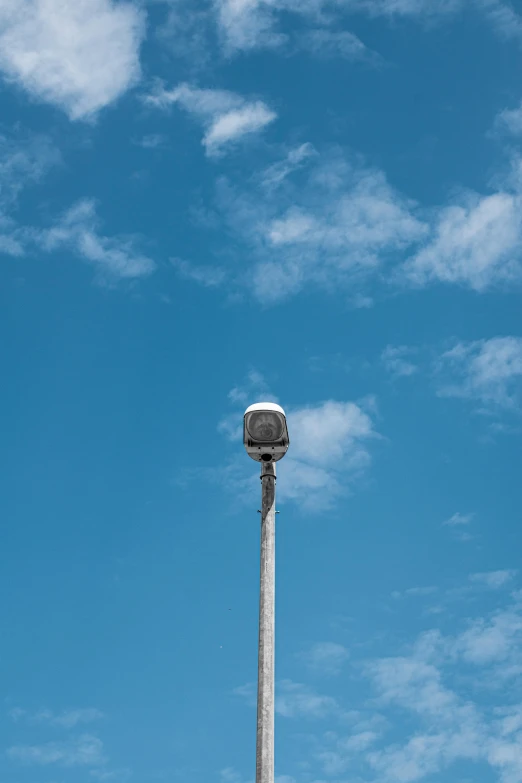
[67, 719]
[503, 17]
[79, 55]
[494, 579]
[451, 729]
[22, 162]
[510, 121]
[396, 360]
[115, 258]
[416, 591]
[255, 388]
[488, 371]
[247, 24]
[424, 714]
[326, 657]
[251, 24]
[326, 43]
[457, 519]
[338, 225]
[294, 700]
[230, 775]
[495, 640]
[207, 276]
[84, 751]
[152, 141]
[226, 116]
[12, 237]
[297, 157]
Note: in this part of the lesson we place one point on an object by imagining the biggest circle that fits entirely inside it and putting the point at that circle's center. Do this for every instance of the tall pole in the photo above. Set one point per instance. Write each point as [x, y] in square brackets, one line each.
[266, 669]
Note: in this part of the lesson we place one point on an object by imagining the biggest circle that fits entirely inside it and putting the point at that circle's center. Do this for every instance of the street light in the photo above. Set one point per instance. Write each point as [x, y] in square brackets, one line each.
[265, 435]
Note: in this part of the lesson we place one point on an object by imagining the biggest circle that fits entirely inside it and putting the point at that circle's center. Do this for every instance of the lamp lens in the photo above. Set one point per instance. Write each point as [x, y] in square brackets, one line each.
[265, 426]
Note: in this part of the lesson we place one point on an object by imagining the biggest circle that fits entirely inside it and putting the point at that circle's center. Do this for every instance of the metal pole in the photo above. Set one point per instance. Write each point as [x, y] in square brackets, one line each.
[265, 674]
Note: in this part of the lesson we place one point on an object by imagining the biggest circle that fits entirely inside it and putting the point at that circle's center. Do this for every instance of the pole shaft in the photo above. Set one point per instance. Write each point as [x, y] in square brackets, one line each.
[266, 668]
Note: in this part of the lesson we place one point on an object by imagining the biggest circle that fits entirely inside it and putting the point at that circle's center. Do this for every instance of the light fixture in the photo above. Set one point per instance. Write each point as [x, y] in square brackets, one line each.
[265, 433]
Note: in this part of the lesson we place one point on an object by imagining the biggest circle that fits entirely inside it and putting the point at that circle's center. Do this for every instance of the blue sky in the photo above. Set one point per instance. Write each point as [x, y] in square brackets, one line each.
[208, 204]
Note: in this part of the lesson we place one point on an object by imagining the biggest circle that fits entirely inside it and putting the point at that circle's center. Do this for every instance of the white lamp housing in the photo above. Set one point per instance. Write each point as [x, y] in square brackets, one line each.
[265, 432]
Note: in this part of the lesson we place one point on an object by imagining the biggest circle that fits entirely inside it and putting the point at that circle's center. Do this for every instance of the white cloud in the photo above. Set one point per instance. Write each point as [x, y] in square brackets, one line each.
[23, 162]
[489, 371]
[152, 141]
[476, 243]
[333, 43]
[510, 120]
[450, 729]
[413, 683]
[326, 657]
[187, 32]
[340, 224]
[86, 751]
[66, 719]
[79, 55]
[503, 17]
[344, 751]
[113, 257]
[494, 579]
[226, 116]
[329, 448]
[254, 389]
[330, 433]
[458, 519]
[360, 741]
[395, 359]
[319, 25]
[496, 639]
[236, 123]
[296, 158]
[367, 219]
[429, 590]
[295, 700]
[12, 238]
[207, 276]
[230, 775]
[249, 24]
[429, 702]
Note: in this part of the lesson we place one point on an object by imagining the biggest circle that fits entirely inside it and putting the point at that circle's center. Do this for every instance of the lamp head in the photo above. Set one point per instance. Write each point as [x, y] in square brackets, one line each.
[265, 432]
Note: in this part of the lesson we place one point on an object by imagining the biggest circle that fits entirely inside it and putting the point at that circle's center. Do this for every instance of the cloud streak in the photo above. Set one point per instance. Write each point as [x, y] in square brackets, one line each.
[114, 258]
[67, 719]
[84, 751]
[226, 116]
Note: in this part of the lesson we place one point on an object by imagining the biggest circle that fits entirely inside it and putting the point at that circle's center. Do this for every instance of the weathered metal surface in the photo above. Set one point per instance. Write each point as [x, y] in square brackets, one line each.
[266, 662]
